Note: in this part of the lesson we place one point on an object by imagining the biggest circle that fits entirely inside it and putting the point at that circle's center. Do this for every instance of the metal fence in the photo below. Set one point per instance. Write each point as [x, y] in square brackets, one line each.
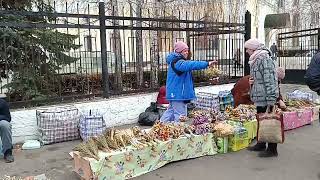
[52, 56]
[295, 50]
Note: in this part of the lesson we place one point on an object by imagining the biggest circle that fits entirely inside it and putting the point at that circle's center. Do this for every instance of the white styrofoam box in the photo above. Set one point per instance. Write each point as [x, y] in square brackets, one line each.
[119, 111]
[24, 125]
[207, 101]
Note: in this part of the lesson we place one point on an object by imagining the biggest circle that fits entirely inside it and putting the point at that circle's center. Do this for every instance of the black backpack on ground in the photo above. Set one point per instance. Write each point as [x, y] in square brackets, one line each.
[151, 115]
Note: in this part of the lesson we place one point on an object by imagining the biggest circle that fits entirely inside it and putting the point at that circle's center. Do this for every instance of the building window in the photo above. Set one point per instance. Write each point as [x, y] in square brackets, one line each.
[314, 42]
[88, 43]
[87, 20]
[296, 20]
[315, 18]
[295, 42]
[281, 3]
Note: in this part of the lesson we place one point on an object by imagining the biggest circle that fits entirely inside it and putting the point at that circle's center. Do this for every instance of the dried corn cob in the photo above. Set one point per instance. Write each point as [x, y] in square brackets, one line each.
[92, 146]
[119, 140]
[111, 143]
[84, 151]
[102, 143]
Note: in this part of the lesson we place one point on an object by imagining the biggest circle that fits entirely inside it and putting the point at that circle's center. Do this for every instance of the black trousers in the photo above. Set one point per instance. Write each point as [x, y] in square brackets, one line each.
[271, 146]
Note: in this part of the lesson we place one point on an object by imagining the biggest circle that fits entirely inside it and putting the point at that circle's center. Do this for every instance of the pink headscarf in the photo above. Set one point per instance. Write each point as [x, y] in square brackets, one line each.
[180, 46]
[281, 72]
[253, 44]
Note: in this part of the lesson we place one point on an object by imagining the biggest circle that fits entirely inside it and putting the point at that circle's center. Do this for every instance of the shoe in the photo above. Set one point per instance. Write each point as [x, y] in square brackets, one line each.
[265, 154]
[257, 147]
[8, 157]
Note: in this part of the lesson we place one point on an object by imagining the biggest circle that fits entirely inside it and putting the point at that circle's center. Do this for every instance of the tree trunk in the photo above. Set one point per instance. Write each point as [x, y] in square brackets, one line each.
[139, 46]
[117, 47]
[154, 50]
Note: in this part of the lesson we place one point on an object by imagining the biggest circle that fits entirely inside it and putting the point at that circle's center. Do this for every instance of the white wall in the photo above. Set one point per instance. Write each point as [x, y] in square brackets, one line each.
[259, 10]
[119, 111]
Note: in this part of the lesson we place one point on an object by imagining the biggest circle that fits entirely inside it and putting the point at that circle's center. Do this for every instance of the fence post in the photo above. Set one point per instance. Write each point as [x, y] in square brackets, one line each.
[318, 50]
[247, 36]
[103, 45]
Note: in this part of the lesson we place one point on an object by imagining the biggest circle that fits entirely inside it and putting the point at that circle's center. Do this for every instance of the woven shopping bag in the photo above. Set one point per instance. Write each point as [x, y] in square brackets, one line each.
[270, 127]
[92, 124]
[58, 124]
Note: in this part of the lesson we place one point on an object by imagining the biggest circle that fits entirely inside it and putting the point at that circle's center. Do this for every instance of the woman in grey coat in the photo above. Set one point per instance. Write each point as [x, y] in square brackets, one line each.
[264, 87]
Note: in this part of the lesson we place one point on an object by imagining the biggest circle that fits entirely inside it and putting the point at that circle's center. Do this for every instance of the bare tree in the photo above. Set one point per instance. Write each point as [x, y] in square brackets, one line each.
[139, 45]
[303, 13]
[117, 46]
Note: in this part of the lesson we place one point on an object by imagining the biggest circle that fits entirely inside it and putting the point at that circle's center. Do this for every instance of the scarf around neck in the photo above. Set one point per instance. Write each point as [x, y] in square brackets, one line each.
[258, 52]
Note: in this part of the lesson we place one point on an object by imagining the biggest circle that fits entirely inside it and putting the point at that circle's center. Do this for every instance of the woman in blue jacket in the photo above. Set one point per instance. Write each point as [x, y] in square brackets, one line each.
[179, 85]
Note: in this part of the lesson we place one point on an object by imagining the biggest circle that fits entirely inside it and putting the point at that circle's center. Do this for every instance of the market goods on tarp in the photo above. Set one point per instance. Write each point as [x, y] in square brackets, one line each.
[201, 116]
[242, 113]
[203, 128]
[87, 149]
[165, 131]
[298, 103]
[133, 162]
[183, 119]
[200, 119]
[189, 129]
[114, 140]
[223, 129]
[212, 72]
[199, 112]
[221, 116]
[102, 143]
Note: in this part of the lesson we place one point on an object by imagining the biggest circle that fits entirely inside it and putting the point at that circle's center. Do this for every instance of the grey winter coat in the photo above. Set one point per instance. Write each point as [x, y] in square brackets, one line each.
[264, 90]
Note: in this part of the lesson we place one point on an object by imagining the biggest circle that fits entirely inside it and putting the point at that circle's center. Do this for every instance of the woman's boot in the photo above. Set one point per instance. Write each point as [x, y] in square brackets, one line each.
[260, 146]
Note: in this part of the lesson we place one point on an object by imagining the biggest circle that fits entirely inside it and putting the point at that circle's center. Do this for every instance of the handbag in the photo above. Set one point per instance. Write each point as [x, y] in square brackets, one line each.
[270, 127]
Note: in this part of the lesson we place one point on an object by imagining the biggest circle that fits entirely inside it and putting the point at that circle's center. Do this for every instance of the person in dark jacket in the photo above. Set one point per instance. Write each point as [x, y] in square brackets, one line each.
[179, 84]
[312, 76]
[274, 49]
[5, 131]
